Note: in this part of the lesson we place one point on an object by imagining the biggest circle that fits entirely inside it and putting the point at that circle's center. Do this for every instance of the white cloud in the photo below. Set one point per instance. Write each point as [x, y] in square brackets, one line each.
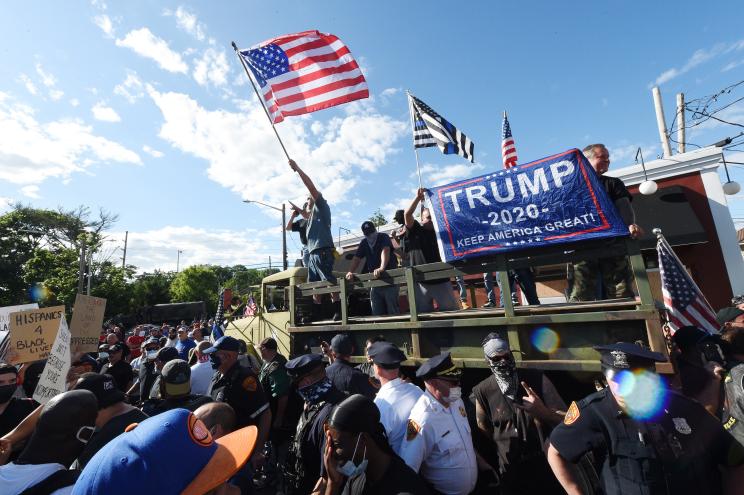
[390, 92]
[104, 23]
[46, 78]
[105, 113]
[33, 151]
[31, 191]
[5, 204]
[74, 102]
[252, 163]
[732, 65]
[188, 22]
[131, 89]
[28, 84]
[152, 152]
[211, 68]
[157, 248]
[698, 57]
[623, 154]
[56, 94]
[437, 175]
[146, 44]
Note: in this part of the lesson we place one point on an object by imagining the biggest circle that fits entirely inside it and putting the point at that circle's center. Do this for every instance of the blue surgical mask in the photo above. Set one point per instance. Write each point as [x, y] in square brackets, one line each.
[351, 470]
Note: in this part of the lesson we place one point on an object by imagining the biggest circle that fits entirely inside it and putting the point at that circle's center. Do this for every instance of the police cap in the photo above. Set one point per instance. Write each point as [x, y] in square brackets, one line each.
[386, 355]
[728, 314]
[224, 343]
[625, 355]
[440, 366]
[302, 365]
[342, 344]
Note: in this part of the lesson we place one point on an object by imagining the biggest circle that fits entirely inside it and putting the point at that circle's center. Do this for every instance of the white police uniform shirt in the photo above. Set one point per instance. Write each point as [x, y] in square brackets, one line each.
[438, 445]
[395, 400]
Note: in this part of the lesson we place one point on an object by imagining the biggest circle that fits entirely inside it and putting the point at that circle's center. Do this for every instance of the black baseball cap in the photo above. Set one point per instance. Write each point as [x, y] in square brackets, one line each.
[103, 387]
[224, 343]
[167, 354]
[177, 377]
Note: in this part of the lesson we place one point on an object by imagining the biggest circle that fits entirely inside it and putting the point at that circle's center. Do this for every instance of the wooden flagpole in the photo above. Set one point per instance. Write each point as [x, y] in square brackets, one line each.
[260, 98]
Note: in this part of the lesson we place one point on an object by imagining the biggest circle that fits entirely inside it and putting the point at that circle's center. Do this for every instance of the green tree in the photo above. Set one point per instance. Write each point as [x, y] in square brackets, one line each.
[151, 288]
[196, 283]
[378, 218]
[112, 282]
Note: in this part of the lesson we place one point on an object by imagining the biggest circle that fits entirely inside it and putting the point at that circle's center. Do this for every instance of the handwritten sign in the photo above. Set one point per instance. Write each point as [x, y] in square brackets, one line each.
[5, 324]
[555, 200]
[32, 333]
[53, 380]
[85, 327]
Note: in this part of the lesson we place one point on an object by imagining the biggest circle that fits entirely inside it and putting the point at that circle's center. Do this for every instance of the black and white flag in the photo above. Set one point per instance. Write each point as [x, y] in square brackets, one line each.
[431, 129]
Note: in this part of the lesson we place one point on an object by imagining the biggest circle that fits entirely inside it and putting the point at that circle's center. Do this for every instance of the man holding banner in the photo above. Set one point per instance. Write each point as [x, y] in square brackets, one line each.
[614, 273]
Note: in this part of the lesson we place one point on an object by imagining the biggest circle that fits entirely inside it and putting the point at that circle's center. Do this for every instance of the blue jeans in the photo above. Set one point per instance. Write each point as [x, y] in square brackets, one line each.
[384, 300]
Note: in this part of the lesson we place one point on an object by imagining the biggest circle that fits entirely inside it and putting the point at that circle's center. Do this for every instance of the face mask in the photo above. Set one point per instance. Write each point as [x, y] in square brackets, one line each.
[455, 393]
[371, 239]
[313, 393]
[351, 470]
[215, 360]
[103, 355]
[6, 392]
[151, 355]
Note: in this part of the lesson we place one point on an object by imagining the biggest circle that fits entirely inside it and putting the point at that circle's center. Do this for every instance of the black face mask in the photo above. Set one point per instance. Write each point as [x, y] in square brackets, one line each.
[6, 392]
[215, 360]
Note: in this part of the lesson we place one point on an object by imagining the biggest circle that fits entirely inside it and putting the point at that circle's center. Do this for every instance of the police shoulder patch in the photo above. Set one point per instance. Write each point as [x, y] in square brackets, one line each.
[572, 414]
[462, 411]
[250, 384]
[374, 382]
[412, 430]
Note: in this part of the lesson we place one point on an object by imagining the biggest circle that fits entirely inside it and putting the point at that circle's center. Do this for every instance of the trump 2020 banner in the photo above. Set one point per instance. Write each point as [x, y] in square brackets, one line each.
[558, 199]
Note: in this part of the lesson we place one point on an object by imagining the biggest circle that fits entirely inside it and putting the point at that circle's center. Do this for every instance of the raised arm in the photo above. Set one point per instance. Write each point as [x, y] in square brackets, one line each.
[292, 216]
[409, 212]
[305, 180]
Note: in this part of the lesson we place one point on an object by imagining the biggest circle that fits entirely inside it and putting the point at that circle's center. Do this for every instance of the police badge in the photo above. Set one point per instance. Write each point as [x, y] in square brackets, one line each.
[681, 425]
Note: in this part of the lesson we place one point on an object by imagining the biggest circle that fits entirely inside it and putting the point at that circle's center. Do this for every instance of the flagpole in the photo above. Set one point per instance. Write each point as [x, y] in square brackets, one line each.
[260, 98]
[413, 133]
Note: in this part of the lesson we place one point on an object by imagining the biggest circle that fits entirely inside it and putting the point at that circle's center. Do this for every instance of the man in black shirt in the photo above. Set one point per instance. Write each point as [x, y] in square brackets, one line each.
[12, 409]
[300, 227]
[343, 374]
[118, 368]
[175, 390]
[354, 435]
[421, 246]
[614, 273]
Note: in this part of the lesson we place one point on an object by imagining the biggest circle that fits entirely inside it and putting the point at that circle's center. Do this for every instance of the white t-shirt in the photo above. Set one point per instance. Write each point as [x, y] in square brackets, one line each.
[201, 376]
[14, 478]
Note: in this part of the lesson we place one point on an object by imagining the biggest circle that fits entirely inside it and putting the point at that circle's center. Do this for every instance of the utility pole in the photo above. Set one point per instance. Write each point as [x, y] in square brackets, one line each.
[90, 269]
[124, 258]
[284, 237]
[269, 263]
[680, 123]
[661, 122]
[81, 274]
[178, 260]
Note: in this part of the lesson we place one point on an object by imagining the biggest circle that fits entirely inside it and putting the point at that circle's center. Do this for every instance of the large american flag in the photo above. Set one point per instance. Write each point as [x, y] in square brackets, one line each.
[684, 302]
[305, 72]
[508, 150]
[431, 129]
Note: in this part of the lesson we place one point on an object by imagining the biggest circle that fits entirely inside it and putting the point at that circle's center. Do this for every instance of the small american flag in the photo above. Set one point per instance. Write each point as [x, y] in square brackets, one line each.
[251, 308]
[684, 302]
[217, 329]
[508, 150]
[431, 129]
[305, 72]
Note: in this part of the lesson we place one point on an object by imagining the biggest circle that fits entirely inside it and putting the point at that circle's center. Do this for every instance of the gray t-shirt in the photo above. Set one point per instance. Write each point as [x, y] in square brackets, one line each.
[319, 234]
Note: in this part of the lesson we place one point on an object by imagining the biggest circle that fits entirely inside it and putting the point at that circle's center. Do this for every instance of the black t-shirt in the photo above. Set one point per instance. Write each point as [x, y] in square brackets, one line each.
[15, 412]
[373, 255]
[615, 188]
[108, 432]
[240, 388]
[300, 226]
[421, 245]
[121, 371]
[398, 479]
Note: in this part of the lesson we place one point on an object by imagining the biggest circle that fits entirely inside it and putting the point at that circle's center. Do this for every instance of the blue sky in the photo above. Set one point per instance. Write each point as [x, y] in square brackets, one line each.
[142, 108]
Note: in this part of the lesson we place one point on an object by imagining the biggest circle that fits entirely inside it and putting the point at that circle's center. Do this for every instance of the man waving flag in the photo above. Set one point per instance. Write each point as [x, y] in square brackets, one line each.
[304, 72]
[431, 129]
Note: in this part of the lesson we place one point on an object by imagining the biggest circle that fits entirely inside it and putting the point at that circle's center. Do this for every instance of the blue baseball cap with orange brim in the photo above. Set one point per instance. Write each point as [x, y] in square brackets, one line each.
[171, 453]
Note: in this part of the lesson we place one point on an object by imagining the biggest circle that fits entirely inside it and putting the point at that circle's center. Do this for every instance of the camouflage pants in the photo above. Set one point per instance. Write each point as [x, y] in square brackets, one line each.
[614, 273]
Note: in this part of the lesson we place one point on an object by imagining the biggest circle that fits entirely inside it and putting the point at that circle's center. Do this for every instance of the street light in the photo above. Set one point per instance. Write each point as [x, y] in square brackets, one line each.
[339, 248]
[284, 224]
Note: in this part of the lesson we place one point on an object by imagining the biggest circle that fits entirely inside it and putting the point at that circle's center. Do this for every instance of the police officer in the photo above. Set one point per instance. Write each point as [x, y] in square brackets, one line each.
[344, 376]
[614, 272]
[175, 390]
[669, 447]
[438, 443]
[515, 421]
[302, 469]
[396, 398]
[239, 387]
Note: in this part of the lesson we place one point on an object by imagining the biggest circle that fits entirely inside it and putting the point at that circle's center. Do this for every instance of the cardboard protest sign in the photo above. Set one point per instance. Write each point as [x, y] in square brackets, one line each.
[32, 334]
[53, 380]
[555, 200]
[5, 324]
[85, 327]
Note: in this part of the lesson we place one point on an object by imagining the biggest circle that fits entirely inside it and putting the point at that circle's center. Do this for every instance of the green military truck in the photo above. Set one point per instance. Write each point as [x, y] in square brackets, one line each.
[551, 337]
